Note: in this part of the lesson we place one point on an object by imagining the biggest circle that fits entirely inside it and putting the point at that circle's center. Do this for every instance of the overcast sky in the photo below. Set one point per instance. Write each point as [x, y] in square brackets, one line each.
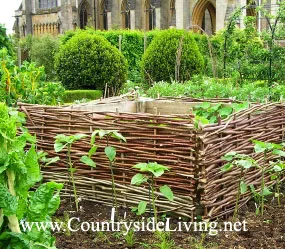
[7, 8]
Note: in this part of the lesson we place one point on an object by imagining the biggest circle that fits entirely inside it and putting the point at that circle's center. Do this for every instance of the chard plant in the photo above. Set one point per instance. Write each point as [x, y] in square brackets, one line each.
[62, 141]
[151, 170]
[19, 171]
[110, 152]
[265, 148]
[243, 163]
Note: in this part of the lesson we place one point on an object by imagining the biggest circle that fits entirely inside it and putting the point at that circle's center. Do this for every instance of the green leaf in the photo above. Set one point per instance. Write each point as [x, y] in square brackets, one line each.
[141, 166]
[229, 156]
[88, 161]
[141, 207]
[110, 153]
[266, 192]
[258, 148]
[92, 151]
[167, 192]
[225, 111]
[277, 168]
[49, 161]
[273, 177]
[58, 146]
[227, 167]
[8, 202]
[246, 164]
[44, 202]
[158, 172]
[243, 187]
[279, 152]
[118, 136]
[138, 179]
[204, 105]
[77, 137]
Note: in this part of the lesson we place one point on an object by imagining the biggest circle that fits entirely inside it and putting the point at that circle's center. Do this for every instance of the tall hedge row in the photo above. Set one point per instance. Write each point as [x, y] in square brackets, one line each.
[132, 45]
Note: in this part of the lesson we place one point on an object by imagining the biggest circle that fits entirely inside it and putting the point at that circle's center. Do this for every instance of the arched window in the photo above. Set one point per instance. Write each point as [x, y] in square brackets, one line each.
[172, 16]
[126, 18]
[149, 15]
[204, 17]
[103, 15]
[83, 15]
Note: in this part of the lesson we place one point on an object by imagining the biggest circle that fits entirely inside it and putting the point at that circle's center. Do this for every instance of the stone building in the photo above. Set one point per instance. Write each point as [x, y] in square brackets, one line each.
[56, 16]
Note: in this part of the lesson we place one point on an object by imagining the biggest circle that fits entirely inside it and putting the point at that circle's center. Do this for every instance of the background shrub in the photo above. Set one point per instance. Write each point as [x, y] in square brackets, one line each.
[72, 95]
[132, 46]
[43, 50]
[89, 61]
[5, 41]
[159, 60]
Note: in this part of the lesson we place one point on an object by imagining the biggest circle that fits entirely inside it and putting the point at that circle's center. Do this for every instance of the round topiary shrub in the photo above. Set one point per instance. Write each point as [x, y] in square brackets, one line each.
[88, 61]
[169, 49]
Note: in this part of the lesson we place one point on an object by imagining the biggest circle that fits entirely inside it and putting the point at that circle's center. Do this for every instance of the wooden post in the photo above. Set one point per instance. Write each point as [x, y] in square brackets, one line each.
[145, 42]
[120, 42]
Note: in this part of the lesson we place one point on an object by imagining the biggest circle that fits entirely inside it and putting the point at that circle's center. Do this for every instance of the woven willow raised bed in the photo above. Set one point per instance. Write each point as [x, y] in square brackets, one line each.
[194, 156]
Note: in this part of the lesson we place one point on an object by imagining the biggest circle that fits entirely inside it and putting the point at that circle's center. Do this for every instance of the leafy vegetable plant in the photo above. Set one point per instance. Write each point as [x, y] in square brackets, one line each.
[151, 170]
[208, 113]
[19, 171]
[243, 163]
[61, 142]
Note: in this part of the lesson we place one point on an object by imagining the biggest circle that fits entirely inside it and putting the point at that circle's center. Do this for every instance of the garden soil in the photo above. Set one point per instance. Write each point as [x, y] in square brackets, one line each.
[263, 233]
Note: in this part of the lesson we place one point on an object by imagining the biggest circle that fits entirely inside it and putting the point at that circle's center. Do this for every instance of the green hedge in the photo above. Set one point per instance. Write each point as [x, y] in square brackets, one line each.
[89, 61]
[160, 59]
[72, 95]
[132, 46]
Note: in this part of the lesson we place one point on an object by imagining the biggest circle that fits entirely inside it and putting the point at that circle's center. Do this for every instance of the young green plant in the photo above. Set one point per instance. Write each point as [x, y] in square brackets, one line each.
[110, 152]
[265, 148]
[277, 171]
[62, 141]
[243, 163]
[151, 170]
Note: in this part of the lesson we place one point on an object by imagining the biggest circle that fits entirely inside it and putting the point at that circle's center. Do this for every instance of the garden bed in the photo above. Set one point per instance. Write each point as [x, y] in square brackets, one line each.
[262, 233]
[160, 131]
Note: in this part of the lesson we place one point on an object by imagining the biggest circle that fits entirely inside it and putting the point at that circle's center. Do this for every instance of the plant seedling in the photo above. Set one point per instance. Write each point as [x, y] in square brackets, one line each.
[265, 148]
[151, 170]
[62, 141]
[243, 162]
[277, 171]
[110, 152]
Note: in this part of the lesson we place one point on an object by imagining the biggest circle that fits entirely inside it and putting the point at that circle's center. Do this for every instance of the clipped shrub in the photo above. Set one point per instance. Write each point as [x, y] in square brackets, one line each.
[87, 61]
[132, 46]
[72, 95]
[160, 60]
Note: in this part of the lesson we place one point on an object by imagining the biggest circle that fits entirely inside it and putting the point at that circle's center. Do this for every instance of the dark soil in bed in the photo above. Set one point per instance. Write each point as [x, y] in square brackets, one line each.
[266, 232]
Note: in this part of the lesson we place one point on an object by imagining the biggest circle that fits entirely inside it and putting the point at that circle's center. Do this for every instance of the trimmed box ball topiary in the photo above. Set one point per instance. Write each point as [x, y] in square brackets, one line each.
[161, 60]
[88, 61]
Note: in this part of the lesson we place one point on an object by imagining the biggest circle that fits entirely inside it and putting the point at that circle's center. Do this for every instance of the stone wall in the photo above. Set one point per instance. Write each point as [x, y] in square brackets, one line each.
[209, 15]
